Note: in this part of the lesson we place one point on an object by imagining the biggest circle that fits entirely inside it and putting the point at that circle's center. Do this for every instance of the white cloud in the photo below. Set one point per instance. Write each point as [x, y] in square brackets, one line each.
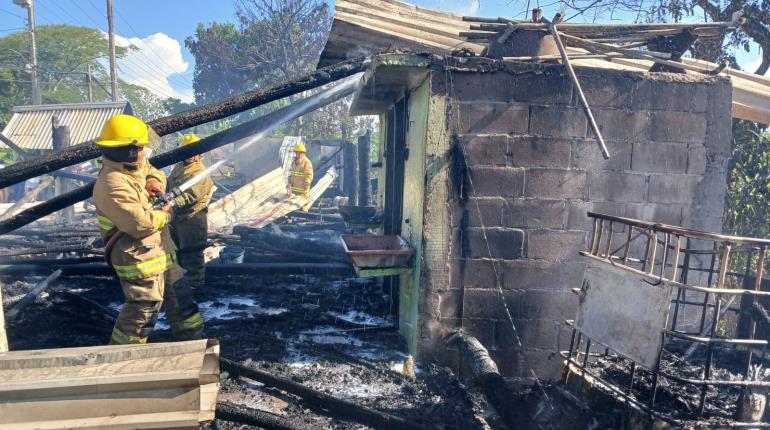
[152, 63]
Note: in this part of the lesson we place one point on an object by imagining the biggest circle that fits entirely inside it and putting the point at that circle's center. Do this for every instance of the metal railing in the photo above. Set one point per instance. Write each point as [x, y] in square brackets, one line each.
[721, 274]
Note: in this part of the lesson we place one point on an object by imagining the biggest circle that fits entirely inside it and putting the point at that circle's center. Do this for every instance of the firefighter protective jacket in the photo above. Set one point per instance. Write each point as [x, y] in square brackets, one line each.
[301, 176]
[197, 197]
[122, 203]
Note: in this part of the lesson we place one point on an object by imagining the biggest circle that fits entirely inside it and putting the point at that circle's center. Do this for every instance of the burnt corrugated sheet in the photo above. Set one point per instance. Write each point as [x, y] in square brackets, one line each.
[364, 27]
[30, 126]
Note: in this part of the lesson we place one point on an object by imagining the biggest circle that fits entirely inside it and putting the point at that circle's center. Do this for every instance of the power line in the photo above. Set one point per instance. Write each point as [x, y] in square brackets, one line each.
[13, 14]
[155, 88]
[150, 47]
[143, 66]
[180, 78]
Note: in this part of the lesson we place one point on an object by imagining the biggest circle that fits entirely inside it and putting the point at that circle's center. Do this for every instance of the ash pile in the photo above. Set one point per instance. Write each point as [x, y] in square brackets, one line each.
[293, 309]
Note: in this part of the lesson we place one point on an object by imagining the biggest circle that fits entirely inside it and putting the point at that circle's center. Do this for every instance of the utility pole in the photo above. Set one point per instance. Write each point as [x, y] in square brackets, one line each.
[32, 68]
[90, 82]
[113, 71]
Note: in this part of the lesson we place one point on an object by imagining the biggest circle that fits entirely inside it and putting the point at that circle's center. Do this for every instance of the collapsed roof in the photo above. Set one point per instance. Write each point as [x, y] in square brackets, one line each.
[370, 26]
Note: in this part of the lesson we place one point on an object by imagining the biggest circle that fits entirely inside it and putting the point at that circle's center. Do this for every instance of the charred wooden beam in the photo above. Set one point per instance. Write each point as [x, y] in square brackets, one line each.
[514, 412]
[30, 297]
[102, 269]
[338, 407]
[176, 155]
[37, 166]
[239, 414]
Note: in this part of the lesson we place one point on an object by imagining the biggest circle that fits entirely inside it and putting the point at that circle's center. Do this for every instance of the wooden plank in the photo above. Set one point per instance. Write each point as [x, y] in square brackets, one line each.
[262, 201]
[3, 335]
[165, 420]
[165, 385]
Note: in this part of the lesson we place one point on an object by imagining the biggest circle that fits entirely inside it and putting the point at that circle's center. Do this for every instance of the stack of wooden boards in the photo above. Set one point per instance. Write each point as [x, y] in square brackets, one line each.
[151, 386]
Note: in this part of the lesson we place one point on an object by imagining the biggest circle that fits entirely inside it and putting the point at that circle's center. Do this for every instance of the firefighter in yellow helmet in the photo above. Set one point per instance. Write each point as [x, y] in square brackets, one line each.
[300, 175]
[189, 227]
[138, 243]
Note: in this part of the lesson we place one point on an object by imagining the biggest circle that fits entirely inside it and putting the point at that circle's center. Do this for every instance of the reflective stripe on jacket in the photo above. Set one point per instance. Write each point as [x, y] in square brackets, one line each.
[122, 203]
[197, 197]
[301, 176]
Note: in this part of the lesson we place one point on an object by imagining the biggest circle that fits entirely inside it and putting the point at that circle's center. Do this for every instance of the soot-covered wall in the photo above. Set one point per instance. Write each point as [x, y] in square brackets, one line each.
[512, 169]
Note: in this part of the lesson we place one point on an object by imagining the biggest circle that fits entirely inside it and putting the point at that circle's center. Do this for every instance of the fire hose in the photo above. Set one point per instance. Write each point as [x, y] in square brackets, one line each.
[344, 85]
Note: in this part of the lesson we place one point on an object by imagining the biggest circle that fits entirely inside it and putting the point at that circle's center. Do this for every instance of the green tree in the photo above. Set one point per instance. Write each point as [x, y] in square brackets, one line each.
[747, 204]
[64, 54]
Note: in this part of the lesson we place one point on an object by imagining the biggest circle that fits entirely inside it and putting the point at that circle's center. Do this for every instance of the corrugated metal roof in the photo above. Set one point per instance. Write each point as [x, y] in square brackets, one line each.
[30, 126]
[372, 26]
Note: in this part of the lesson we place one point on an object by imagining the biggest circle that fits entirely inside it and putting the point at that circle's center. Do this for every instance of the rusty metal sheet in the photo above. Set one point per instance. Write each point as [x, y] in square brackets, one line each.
[30, 126]
[623, 311]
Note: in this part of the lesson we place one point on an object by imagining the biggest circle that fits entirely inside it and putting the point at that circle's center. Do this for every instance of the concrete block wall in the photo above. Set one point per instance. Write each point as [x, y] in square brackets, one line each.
[531, 170]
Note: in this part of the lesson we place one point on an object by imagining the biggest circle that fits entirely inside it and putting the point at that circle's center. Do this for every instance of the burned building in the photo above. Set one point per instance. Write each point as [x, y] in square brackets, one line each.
[490, 168]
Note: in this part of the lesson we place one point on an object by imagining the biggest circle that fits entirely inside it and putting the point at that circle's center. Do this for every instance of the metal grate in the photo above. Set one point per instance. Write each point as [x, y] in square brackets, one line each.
[716, 285]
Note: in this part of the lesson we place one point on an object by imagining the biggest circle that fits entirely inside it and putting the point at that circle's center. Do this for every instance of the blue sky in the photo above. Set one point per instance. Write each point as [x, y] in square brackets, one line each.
[159, 27]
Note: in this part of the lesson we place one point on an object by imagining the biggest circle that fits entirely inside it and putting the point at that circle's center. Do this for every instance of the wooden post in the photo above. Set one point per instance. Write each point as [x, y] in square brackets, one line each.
[61, 140]
[583, 102]
[350, 172]
[3, 335]
[90, 83]
[364, 147]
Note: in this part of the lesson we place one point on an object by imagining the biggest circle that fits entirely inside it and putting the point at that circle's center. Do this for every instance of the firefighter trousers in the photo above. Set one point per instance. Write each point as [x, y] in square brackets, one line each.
[144, 299]
[190, 235]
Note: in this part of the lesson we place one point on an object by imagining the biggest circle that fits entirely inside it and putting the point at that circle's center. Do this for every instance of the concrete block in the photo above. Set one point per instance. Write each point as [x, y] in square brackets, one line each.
[534, 213]
[586, 155]
[557, 121]
[577, 218]
[678, 127]
[481, 273]
[483, 87]
[548, 87]
[484, 150]
[481, 329]
[617, 187]
[517, 363]
[670, 96]
[555, 245]
[505, 243]
[539, 152]
[495, 182]
[484, 212]
[605, 90]
[547, 334]
[450, 303]
[622, 125]
[659, 157]
[539, 304]
[556, 183]
[653, 212]
[483, 304]
[542, 274]
[673, 188]
[696, 159]
[494, 118]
